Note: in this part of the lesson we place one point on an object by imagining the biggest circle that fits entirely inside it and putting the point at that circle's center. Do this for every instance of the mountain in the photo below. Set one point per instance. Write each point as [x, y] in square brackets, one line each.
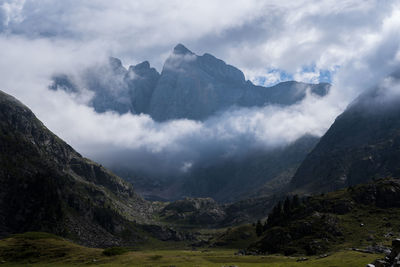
[189, 86]
[196, 87]
[113, 87]
[362, 144]
[47, 186]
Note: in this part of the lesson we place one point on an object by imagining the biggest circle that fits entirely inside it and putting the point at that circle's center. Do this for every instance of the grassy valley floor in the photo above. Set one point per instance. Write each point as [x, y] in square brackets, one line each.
[41, 249]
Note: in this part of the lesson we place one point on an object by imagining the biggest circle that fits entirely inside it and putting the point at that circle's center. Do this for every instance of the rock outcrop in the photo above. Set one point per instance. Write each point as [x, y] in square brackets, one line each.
[392, 259]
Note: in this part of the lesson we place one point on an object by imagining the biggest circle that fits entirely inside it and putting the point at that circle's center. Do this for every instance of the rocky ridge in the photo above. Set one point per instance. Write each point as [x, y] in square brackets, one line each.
[189, 86]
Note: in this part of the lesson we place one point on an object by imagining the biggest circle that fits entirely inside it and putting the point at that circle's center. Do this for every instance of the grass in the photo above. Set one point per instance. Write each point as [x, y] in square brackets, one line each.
[238, 237]
[114, 251]
[40, 249]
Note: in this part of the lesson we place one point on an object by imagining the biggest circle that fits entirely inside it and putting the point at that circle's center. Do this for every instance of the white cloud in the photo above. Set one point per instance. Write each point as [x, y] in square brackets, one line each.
[247, 33]
[43, 37]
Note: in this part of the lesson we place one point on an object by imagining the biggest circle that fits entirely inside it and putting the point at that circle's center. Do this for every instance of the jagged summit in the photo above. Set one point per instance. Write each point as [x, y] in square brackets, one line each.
[143, 65]
[190, 86]
[115, 63]
[180, 49]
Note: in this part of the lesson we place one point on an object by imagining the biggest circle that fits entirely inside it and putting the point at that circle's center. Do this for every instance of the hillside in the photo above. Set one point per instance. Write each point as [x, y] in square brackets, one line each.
[364, 217]
[47, 186]
[362, 144]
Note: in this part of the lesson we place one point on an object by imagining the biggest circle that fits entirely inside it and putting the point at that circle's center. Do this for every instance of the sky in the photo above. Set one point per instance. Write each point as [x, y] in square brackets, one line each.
[352, 44]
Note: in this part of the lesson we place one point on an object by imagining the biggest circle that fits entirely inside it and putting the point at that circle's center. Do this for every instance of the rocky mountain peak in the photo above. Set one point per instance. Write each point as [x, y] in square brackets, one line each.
[190, 86]
[115, 63]
[142, 66]
[180, 49]
[143, 69]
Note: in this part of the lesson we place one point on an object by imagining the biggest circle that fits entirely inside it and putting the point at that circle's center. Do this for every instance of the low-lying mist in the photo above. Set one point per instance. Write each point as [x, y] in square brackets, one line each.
[173, 147]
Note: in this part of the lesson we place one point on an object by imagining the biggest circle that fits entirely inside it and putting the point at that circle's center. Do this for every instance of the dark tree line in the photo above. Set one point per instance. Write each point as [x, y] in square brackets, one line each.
[283, 211]
[280, 214]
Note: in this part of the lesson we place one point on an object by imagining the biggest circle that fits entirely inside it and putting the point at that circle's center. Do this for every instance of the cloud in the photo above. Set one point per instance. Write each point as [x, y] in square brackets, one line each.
[249, 34]
[358, 45]
[137, 140]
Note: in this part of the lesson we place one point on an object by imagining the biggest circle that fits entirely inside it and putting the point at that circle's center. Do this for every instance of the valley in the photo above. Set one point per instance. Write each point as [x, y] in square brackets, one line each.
[356, 224]
[205, 133]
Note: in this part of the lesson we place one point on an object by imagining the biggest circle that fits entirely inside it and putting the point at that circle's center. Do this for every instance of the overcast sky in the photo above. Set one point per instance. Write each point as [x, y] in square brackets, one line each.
[301, 38]
[352, 44]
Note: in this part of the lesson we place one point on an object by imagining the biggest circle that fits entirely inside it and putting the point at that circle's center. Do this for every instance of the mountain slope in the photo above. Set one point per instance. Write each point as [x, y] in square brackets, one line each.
[47, 186]
[189, 86]
[362, 144]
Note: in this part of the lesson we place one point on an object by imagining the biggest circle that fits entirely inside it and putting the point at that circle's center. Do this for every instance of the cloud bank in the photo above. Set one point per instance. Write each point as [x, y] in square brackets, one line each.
[356, 45]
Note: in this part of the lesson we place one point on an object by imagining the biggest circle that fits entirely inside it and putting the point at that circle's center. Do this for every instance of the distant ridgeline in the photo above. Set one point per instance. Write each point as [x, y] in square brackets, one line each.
[189, 86]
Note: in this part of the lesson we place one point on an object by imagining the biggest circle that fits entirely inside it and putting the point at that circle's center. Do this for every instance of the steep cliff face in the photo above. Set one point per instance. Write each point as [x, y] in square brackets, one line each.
[47, 186]
[362, 144]
[141, 81]
[189, 86]
[196, 87]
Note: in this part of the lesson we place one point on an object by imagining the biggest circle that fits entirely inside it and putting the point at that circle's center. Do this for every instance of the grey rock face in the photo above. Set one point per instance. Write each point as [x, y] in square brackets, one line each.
[141, 81]
[190, 86]
[196, 87]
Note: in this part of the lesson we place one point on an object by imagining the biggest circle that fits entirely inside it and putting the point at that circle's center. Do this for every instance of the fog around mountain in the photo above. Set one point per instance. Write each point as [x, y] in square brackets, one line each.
[31, 56]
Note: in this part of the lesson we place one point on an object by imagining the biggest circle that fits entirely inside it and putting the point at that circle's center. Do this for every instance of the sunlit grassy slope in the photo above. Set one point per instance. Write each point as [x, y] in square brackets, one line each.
[41, 249]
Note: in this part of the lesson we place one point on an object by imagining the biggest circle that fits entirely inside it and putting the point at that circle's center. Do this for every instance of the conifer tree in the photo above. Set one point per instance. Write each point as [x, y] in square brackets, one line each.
[259, 228]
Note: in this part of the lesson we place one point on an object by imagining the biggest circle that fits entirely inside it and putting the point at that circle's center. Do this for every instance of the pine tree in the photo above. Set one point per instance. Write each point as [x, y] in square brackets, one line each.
[259, 228]
[265, 226]
[295, 202]
[286, 207]
[275, 215]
